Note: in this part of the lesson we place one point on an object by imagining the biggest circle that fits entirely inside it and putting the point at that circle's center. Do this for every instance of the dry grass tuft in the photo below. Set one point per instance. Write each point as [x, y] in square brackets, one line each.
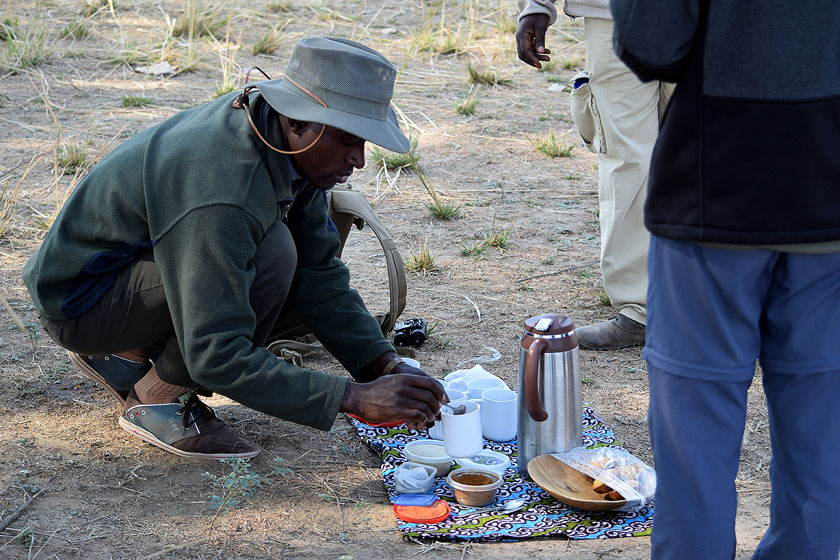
[422, 262]
[551, 146]
[486, 77]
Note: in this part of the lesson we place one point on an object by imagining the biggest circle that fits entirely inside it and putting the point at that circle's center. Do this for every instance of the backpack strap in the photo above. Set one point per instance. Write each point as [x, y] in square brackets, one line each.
[347, 208]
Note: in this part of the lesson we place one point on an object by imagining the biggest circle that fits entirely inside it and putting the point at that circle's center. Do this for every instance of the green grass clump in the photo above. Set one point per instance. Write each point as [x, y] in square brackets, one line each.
[223, 89]
[136, 101]
[467, 105]
[451, 43]
[603, 298]
[203, 25]
[24, 49]
[572, 63]
[440, 209]
[280, 6]
[496, 237]
[71, 158]
[394, 161]
[77, 29]
[8, 29]
[487, 77]
[268, 43]
[128, 57]
[491, 237]
[443, 210]
[551, 146]
[474, 250]
[421, 262]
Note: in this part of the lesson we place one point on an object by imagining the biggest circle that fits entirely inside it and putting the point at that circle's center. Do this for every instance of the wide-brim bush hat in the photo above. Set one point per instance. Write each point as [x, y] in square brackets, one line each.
[340, 83]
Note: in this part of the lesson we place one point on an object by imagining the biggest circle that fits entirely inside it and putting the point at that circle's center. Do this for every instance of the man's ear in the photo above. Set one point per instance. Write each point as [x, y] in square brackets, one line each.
[297, 127]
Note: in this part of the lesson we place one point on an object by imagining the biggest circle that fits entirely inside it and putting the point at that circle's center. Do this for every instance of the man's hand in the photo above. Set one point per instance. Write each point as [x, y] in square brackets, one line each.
[530, 40]
[402, 396]
[409, 369]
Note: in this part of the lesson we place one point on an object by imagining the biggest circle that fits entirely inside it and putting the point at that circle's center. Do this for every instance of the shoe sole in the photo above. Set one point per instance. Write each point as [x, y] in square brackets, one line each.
[80, 363]
[149, 437]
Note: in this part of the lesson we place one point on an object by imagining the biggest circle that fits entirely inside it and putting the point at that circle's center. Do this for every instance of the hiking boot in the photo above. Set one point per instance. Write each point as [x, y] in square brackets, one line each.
[115, 374]
[185, 427]
[619, 332]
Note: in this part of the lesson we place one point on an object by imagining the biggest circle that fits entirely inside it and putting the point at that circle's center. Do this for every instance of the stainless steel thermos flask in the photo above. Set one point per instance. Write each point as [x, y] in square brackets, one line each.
[549, 408]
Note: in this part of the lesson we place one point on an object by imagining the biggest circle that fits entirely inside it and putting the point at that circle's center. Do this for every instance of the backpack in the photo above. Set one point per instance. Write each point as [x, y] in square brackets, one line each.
[290, 338]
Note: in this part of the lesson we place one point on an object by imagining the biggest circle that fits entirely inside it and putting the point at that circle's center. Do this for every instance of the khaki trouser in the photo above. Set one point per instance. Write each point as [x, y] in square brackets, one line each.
[618, 118]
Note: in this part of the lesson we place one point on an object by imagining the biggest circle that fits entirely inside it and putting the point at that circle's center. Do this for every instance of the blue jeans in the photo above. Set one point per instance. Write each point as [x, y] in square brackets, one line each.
[711, 314]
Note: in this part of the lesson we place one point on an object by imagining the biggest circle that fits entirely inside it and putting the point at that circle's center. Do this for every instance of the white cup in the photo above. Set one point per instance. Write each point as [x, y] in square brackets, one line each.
[498, 418]
[459, 384]
[456, 395]
[462, 432]
[436, 431]
[478, 386]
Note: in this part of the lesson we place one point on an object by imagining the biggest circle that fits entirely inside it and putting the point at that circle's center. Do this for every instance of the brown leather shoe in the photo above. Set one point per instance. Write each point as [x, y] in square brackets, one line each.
[619, 332]
[185, 427]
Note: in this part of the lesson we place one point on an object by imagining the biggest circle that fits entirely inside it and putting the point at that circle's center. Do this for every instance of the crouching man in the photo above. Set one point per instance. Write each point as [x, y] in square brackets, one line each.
[170, 263]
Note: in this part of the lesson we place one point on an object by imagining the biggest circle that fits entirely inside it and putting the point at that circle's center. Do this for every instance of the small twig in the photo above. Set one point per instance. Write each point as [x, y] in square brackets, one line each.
[19, 510]
[557, 272]
[477, 311]
[12, 539]
[43, 546]
[175, 547]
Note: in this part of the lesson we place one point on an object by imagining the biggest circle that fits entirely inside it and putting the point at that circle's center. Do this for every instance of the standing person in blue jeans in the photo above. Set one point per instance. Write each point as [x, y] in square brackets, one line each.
[744, 265]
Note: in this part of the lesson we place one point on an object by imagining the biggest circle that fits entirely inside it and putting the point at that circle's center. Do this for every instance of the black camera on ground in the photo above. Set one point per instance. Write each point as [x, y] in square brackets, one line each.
[410, 333]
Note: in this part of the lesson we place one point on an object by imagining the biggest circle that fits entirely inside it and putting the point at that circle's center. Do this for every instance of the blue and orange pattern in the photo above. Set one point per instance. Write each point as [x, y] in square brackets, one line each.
[543, 517]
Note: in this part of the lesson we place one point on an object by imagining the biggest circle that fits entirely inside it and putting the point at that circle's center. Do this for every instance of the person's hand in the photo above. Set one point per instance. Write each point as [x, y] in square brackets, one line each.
[408, 369]
[412, 397]
[530, 40]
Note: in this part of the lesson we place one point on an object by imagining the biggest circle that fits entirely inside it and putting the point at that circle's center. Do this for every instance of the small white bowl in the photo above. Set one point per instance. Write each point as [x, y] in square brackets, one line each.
[487, 459]
[429, 452]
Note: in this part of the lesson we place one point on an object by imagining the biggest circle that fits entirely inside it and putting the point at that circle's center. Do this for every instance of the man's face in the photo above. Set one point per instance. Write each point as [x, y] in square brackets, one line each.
[332, 159]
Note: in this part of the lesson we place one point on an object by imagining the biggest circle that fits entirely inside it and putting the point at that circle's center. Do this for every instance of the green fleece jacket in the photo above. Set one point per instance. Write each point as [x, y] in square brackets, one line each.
[201, 190]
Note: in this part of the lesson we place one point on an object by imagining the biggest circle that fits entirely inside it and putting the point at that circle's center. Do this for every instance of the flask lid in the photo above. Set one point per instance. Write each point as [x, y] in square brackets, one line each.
[549, 324]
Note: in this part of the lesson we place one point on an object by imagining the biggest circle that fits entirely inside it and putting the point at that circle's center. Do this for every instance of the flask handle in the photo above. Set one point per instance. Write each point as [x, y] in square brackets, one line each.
[532, 390]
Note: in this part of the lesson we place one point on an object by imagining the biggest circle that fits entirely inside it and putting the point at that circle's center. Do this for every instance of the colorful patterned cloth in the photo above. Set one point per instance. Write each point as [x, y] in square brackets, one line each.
[544, 516]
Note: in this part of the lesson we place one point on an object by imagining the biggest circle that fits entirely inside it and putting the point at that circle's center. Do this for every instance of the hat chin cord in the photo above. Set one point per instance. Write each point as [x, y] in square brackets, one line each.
[241, 102]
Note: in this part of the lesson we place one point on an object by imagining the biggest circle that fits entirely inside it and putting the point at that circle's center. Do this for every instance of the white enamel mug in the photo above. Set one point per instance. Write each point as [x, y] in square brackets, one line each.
[478, 386]
[498, 418]
[462, 432]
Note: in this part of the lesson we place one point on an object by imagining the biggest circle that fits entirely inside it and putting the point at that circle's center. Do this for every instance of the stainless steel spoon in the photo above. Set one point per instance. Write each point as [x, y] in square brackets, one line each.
[510, 506]
[456, 409]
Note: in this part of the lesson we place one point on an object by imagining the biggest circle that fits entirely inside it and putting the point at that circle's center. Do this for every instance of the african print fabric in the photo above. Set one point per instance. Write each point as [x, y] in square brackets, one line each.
[543, 517]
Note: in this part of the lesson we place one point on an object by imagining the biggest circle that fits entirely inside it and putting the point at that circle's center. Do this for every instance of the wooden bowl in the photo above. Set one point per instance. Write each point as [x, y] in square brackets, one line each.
[568, 485]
